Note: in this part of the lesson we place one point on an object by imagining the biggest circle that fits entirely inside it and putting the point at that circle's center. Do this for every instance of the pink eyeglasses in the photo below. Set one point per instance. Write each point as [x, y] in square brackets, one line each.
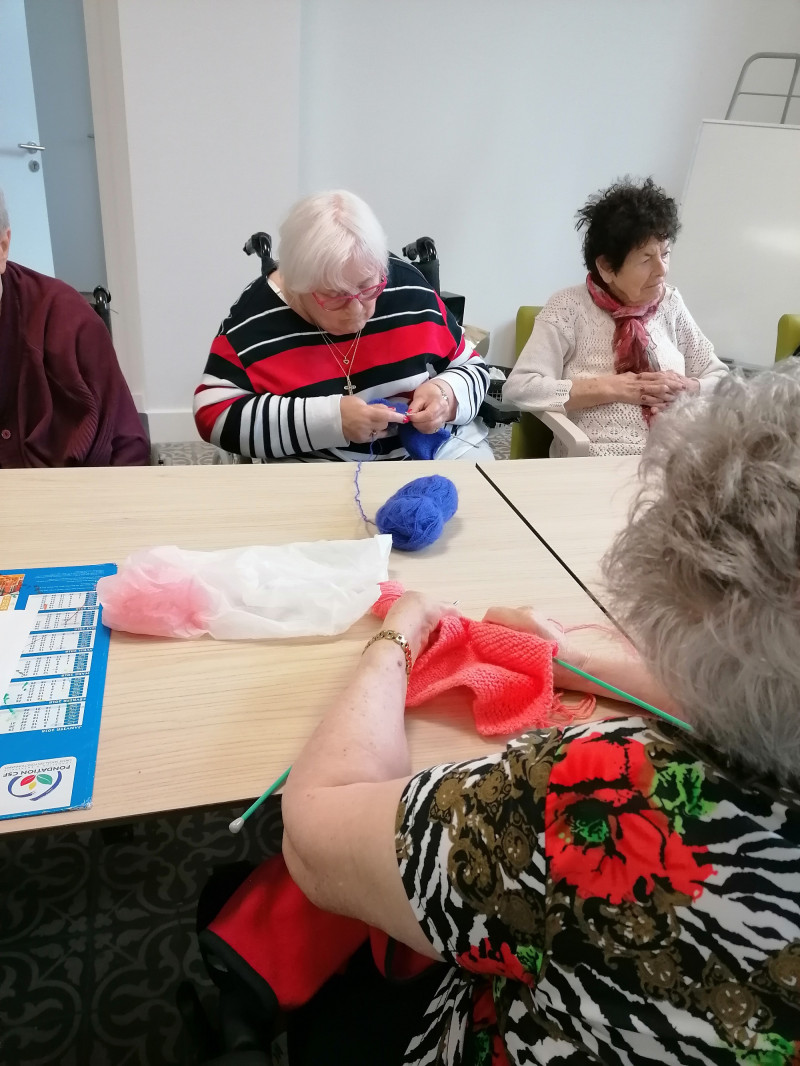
[342, 299]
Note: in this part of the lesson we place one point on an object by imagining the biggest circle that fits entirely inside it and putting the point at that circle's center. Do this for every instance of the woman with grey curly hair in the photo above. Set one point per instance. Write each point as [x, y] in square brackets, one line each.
[719, 619]
[625, 890]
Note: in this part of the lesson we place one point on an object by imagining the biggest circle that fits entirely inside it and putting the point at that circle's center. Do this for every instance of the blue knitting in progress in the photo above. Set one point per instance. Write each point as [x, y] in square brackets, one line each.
[416, 514]
[418, 445]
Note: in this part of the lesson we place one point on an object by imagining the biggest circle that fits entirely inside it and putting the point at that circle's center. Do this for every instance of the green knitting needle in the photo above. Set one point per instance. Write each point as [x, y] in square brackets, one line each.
[625, 695]
[237, 823]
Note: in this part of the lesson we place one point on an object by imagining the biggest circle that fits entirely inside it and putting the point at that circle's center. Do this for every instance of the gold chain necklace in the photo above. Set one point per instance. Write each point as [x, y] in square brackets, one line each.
[345, 362]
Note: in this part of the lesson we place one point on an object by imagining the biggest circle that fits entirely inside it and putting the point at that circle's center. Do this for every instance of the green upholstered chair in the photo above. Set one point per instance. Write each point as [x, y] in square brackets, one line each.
[788, 336]
[532, 436]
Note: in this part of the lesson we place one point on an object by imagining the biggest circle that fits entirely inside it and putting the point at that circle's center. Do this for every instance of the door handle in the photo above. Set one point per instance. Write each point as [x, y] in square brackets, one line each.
[29, 146]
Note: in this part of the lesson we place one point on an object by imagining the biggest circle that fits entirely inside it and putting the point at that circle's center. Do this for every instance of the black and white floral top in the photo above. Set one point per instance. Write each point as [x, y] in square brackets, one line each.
[611, 893]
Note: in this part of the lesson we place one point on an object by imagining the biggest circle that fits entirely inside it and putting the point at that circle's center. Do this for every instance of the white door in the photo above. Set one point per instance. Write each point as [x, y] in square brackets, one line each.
[23, 187]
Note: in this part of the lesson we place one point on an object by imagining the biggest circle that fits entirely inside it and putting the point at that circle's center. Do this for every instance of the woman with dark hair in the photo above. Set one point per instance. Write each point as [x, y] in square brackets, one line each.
[616, 351]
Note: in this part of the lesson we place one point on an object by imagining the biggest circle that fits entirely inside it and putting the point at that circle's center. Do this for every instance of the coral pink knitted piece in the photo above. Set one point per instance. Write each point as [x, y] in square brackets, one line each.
[509, 674]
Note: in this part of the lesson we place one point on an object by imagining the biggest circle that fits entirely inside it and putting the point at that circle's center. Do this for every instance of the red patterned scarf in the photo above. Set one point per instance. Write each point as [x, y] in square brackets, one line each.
[630, 336]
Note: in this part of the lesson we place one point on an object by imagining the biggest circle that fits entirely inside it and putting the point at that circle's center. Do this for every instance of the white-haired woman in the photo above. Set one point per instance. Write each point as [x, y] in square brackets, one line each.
[622, 891]
[340, 323]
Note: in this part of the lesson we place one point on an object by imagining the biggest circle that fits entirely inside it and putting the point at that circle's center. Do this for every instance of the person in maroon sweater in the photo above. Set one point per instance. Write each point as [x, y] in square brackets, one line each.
[63, 399]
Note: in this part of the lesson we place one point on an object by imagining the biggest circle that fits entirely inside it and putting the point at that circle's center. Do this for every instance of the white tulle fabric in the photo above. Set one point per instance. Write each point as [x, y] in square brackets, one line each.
[291, 590]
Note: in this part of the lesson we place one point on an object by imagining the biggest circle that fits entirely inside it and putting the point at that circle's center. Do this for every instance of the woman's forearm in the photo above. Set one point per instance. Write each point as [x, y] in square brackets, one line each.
[590, 392]
[362, 738]
[625, 671]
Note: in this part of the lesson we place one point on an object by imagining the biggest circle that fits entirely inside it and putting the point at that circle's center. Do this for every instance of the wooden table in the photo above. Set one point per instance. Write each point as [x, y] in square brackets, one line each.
[197, 723]
[576, 506]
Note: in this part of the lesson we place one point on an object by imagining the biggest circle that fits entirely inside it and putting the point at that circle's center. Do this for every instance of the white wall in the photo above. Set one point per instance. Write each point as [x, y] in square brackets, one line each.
[210, 98]
[487, 125]
[753, 265]
[483, 125]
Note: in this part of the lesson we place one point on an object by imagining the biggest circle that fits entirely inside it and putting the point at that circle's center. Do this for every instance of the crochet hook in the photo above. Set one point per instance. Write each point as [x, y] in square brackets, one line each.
[237, 823]
[625, 695]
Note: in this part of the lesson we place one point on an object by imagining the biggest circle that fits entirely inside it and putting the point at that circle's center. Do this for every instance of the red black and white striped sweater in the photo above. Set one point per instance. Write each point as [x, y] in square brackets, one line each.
[271, 387]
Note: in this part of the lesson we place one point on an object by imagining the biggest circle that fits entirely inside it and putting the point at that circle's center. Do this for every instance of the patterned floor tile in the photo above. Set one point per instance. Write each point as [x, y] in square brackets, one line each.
[41, 993]
[133, 1004]
[97, 931]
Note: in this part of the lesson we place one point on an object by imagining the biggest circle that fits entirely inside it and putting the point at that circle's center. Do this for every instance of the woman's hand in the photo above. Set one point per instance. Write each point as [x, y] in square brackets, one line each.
[416, 617]
[526, 620]
[606, 655]
[679, 384]
[363, 422]
[432, 406]
[653, 388]
[676, 383]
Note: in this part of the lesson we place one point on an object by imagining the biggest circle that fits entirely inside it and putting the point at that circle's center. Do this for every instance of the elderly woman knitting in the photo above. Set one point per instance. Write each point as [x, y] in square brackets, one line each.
[616, 351]
[624, 890]
[304, 353]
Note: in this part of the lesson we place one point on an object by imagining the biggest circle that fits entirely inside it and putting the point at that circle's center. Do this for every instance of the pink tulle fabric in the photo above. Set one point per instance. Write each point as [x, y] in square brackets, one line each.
[159, 600]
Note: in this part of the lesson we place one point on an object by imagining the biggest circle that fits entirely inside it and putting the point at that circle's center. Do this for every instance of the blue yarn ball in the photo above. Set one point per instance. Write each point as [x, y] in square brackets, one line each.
[415, 515]
[437, 488]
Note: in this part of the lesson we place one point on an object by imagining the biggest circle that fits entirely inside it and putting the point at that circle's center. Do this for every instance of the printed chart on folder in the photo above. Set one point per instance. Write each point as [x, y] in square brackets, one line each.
[53, 658]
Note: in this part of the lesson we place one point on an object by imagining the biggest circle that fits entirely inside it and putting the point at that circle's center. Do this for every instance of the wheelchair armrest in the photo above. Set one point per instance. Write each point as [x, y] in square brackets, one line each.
[494, 412]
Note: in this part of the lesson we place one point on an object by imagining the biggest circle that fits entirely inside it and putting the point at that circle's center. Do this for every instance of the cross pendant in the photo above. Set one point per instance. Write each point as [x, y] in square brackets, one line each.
[350, 389]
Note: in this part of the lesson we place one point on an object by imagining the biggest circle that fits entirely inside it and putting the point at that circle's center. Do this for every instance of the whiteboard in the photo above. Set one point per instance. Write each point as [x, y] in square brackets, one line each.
[736, 261]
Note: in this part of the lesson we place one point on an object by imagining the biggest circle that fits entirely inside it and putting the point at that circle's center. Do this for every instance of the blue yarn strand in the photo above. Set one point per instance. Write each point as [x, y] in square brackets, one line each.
[415, 516]
[367, 521]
